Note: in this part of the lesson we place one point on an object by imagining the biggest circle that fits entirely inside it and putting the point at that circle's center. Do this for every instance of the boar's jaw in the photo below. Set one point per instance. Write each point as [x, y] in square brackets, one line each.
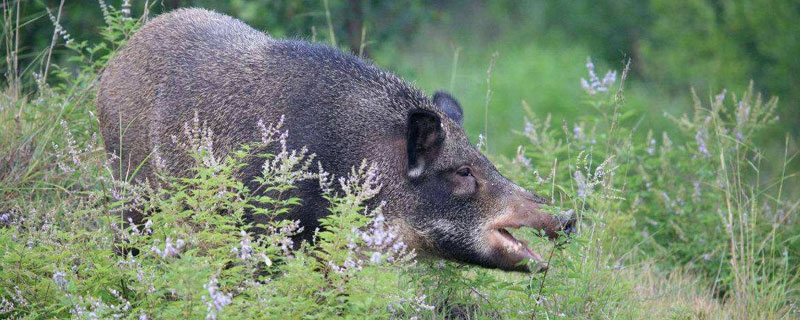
[510, 253]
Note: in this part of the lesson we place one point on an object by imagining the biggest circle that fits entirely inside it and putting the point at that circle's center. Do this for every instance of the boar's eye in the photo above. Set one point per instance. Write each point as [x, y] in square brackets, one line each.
[464, 183]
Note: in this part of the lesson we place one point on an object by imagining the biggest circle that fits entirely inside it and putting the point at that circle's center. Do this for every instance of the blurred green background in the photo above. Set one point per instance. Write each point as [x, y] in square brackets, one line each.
[542, 47]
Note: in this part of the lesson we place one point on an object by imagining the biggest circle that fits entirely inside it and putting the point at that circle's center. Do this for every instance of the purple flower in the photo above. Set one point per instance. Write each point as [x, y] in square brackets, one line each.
[595, 84]
[216, 300]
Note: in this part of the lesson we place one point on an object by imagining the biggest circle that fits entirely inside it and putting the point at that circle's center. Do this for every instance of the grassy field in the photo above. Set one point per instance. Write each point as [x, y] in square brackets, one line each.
[685, 212]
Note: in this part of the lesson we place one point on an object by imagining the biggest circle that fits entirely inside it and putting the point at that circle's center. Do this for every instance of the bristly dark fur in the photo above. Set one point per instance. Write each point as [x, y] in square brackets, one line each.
[339, 106]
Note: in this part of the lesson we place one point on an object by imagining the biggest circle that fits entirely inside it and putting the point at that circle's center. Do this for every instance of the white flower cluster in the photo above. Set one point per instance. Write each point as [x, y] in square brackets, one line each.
[378, 242]
[170, 250]
[384, 240]
[215, 300]
[126, 8]
[58, 28]
[17, 302]
[61, 279]
[198, 140]
[246, 252]
[96, 308]
[361, 184]
[595, 84]
[287, 167]
[417, 304]
[68, 156]
[285, 234]
[586, 180]
[537, 130]
[520, 158]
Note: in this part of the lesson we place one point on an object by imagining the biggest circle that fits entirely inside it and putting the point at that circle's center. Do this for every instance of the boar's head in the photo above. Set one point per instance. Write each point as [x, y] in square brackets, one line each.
[457, 205]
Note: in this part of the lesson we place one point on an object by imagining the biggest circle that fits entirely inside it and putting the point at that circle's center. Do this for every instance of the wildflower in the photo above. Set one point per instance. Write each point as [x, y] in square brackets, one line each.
[718, 99]
[325, 179]
[742, 117]
[583, 186]
[416, 303]
[383, 238]
[350, 264]
[530, 131]
[595, 84]
[361, 184]
[651, 147]
[246, 251]
[215, 300]
[286, 232]
[420, 303]
[529, 128]
[700, 137]
[126, 8]
[6, 306]
[158, 162]
[170, 250]
[577, 132]
[58, 28]
[353, 264]
[481, 142]
[666, 142]
[697, 190]
[70, 152]
[60, 279]
[198, 141]
[268, 133]
[376, 258]
[147, 226]
[335, 267]
[287, 167]
[521, 158]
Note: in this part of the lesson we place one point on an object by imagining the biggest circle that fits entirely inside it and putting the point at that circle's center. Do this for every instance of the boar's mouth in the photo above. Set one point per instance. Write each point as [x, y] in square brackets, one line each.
[510, 253]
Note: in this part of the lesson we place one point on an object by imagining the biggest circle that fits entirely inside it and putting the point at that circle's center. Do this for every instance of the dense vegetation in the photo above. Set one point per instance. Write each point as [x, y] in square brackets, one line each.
[689, 211]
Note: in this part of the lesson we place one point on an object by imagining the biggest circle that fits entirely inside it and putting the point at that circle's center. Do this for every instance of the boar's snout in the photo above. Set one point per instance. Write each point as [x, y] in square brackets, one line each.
[568, 221]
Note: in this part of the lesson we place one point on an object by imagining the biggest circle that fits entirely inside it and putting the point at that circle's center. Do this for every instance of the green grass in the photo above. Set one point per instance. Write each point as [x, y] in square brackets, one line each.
[681, 217]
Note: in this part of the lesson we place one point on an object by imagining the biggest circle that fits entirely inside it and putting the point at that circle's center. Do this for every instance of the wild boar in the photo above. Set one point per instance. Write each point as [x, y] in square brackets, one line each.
[446, 197]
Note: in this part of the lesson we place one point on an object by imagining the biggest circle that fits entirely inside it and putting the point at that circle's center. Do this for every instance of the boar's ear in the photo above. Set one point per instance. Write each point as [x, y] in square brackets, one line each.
[449, 105]
[424, 140]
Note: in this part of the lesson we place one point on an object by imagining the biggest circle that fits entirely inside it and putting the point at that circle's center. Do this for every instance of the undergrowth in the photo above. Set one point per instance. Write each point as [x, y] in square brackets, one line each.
[670, 226]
